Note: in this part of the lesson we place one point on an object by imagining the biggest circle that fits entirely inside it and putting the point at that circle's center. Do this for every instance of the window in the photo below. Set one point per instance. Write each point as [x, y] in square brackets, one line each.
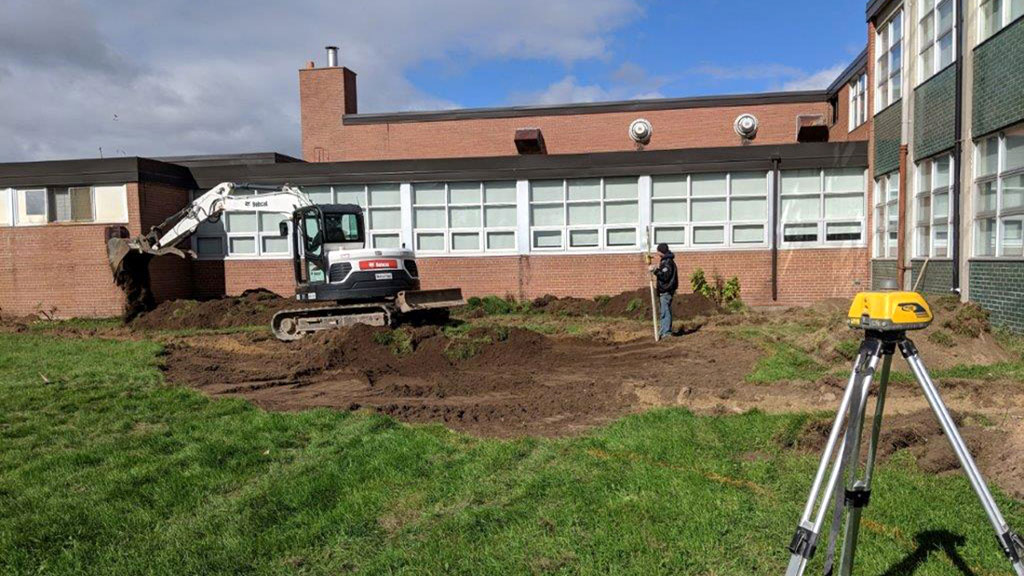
[464, 217]
[381, 204]
[999, 196]
[995, 14]
[889, 62]
[31, 206]
[581, 214]
[887, 223]
[933, 215]
[6, 212]
[250, 234]
[858, 101]
[710, 210]
[71, 204]
[822, 207]
[935, 37]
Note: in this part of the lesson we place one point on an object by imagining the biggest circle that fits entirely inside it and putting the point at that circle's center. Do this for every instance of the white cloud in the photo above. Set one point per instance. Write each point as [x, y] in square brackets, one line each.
[184, 77]
[627, 82]
[816, 81]
[781, 76]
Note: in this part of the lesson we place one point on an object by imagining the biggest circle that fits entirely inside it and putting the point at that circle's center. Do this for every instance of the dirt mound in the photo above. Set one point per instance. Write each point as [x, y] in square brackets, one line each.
[253, 307]
[635, 304]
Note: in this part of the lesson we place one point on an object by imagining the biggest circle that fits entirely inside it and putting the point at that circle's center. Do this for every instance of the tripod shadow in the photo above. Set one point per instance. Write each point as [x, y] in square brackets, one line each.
[928, 542]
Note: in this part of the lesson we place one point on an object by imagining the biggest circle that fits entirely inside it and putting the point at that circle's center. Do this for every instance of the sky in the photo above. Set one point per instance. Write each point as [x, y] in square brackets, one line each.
[84, 78]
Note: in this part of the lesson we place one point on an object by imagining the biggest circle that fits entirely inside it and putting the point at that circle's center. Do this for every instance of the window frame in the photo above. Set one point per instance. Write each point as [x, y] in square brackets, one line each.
[221, 234]
[1006, 17]
[859, 106]
[602, 227]
[935, 189]
[885, 86]
[884, 207]
[934, 44]
[822, 221]
[1001, 213]
[482, 230]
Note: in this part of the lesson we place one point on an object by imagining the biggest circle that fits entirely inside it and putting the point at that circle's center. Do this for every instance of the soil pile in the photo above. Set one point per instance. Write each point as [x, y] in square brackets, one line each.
[253, 307]
[635, 304]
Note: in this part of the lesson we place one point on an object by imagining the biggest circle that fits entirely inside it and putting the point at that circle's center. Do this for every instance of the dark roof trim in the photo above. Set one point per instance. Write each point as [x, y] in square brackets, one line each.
[817, 155]
[226, 159]
[876, 7]
[94, 171]
[589, 108]
[860, 64]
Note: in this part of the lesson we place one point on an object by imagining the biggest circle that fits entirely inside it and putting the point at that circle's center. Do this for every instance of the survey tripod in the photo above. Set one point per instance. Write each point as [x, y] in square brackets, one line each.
[885, 318]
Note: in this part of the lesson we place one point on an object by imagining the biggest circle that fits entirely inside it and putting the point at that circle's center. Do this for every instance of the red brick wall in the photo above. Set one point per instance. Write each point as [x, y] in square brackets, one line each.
[215, 278]
[326, 138]
[840, 131]
[170, 276]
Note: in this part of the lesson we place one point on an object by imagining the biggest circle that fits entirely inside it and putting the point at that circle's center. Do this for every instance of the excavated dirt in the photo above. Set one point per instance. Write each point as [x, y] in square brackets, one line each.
[635, 304]
[252, 308]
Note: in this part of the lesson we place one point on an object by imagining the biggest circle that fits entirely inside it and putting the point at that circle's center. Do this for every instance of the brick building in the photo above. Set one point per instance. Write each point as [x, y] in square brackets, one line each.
[526, 201]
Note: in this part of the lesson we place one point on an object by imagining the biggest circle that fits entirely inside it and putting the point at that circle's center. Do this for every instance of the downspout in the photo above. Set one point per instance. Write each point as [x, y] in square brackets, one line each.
[901, 231]
[776, 186]
[957, 147]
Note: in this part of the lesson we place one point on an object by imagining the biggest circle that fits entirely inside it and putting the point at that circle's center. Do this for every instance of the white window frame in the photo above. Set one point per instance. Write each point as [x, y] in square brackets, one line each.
[1006, 17]
[92, 204]
[481, 229]
[218, 231]
[602, 227]
[932, 47]
[7, 199]
[859, 106]
[884, 247]
[822, 221]
[1001, 213]
[928, 222]
[18, 194]
[886, 87]
[689, 225]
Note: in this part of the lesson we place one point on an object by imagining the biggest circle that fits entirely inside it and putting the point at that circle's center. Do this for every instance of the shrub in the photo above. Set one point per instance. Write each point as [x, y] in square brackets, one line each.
[634, 305]
[718, 291]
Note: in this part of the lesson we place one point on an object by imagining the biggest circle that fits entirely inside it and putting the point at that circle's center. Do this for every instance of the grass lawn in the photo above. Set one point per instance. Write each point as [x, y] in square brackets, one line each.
[105, 469]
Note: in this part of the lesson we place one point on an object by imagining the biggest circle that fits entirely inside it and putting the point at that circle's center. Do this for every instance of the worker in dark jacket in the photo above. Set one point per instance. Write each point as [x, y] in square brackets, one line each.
[668, 283]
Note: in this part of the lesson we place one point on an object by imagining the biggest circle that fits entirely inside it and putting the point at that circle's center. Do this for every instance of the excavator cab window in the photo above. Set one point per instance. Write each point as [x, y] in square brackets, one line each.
[310, 259]
[343, 227]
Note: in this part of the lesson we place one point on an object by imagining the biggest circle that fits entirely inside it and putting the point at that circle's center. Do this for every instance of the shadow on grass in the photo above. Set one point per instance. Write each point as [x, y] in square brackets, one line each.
[928, 542]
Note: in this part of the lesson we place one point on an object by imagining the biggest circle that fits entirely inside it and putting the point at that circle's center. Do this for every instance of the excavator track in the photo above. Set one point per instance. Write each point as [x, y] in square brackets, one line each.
[289, 325]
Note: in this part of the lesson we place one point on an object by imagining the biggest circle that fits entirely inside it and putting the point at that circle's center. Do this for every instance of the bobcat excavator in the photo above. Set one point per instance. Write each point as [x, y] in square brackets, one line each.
[332, 263]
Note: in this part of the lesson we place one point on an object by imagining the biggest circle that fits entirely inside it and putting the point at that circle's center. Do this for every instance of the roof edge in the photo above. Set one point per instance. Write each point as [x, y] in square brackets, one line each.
[859, 63]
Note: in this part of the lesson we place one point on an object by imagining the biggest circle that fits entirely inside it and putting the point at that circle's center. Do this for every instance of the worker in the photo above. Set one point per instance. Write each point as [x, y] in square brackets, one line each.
[668, 282]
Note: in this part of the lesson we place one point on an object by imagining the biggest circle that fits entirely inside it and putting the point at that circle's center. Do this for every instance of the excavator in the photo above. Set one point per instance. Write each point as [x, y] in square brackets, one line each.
[345, 281]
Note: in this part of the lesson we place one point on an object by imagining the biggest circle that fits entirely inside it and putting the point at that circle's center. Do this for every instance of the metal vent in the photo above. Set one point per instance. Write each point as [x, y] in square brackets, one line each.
[410, 267]
[339, 271]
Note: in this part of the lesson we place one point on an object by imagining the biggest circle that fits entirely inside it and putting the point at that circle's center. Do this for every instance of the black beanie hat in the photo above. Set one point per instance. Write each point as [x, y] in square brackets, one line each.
[663, 248]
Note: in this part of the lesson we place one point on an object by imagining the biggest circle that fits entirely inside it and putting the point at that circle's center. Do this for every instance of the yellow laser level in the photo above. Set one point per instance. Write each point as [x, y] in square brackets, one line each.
[889, 311]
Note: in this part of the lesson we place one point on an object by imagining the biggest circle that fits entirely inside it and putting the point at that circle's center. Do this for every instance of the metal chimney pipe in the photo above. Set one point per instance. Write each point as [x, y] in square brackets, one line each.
[332, 56]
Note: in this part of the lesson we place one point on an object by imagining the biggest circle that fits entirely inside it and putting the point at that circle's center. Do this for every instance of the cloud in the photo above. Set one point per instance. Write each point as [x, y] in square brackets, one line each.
[816, 81]
[780, 76]
[627, 82]
[186, 77]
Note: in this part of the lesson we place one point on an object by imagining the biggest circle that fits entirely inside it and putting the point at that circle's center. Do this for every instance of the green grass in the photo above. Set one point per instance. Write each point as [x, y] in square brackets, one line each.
[104, 469]
[786, 362]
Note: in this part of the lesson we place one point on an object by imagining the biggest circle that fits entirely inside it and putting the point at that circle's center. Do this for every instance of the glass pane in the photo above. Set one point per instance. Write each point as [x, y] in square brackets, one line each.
[464, 192]
[384, 195]
[747, 234]
[428, 218]
[844, 180]
[800, 233]
[988, 156]
[923, 210]
[60, 205]
[1016, 9]
[986, 197]
[1014, 152]
[945, 12]
[275, 244]
[941, 243]
[940, 207]
[271, 221]
[501, 241]
[842, 231]
[428, 193]
[585, 189]
[584, 214]
[81, 204]
[924, 176]
[945, 51]
[430, 242]
[668, 186]
[547, 239]
[897, 86]
[500, 216]
[749, 184]
[319, 194]
[546, 191]
[708, 184]
[547, 215]
[463, 241]
[385, 219]
[675, 236]
[495, 192]
[896, 28]
[209, 246]
[386, 241]
[1013, 192]
[922, 239]
[709, 210]
[240, 222]
[893, 189]
[806, 208]
[626, 213]
[583, 238]
[927, 63]
[243, 245]
[1013, 237]
[845, 206]
[991, 17]
[622, 237]
[926, 29]
[715, 235]
[942, 172]
[35, 202]
[669, 211]
[985, 237]
[800, 181]
[350, 194]
[749, 209]
[621, 188]
[465, 217]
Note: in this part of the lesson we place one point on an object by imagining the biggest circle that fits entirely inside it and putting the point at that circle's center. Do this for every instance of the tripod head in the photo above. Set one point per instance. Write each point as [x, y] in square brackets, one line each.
[889, 312]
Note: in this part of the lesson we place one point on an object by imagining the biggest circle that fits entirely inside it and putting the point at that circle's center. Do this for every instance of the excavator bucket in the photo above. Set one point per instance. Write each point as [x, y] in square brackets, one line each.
[412, 300]
[117, 250]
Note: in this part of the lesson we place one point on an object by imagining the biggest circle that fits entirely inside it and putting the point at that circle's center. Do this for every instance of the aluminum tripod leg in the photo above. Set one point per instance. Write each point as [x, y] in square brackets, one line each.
[1009, 541]
[805, 540]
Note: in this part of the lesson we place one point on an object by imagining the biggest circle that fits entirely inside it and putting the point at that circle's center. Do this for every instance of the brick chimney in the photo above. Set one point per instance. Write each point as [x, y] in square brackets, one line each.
[325, 95]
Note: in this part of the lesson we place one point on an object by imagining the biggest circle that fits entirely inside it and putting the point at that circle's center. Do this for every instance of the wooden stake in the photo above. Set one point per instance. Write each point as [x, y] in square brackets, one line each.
[648, 258]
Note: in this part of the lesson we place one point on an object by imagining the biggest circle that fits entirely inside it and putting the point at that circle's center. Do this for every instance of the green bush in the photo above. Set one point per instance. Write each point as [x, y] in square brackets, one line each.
[719, 291]
[634, 305]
